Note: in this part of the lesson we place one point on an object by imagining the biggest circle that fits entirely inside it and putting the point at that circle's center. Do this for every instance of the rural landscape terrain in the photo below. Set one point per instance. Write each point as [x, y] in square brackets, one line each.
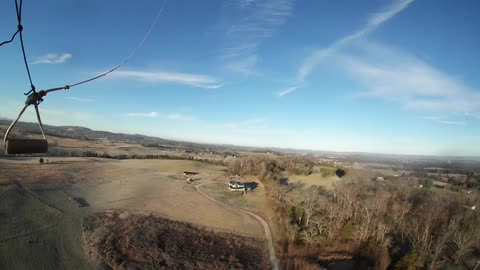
[101, 200]
[240, 135]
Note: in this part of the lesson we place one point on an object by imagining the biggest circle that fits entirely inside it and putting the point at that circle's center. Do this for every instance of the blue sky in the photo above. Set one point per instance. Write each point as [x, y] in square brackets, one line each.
[397, 76]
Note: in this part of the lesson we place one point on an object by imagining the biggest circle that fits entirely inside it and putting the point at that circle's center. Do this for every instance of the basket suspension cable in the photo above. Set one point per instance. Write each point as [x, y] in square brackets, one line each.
[18, 8]
[147, 34]
[27, 146]
[39, 119]
[35, 98]
[11, 39]
[19, 26]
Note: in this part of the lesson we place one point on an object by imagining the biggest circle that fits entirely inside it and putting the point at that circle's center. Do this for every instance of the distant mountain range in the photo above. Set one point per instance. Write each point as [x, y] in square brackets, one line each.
[83, 133]
[87, 134]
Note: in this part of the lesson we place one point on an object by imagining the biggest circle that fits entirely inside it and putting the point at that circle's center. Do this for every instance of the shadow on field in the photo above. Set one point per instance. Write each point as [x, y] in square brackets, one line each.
[80, 202]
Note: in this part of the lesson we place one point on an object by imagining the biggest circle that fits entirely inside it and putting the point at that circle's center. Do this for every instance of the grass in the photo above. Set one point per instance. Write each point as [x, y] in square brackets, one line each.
[220, 191]
[40, 228]
[314, 179]
[34, 235]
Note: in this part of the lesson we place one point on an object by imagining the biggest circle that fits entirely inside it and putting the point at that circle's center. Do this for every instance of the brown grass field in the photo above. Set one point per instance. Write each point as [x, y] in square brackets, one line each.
[125, 240]
[38, 198]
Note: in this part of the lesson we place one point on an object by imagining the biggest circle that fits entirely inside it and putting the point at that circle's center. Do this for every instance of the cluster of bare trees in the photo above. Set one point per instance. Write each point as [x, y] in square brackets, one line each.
[134, 156]
[268, 168]
[399, 225]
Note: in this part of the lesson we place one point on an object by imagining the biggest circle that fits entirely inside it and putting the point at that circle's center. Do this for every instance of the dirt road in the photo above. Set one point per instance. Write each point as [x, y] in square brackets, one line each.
[266, 228]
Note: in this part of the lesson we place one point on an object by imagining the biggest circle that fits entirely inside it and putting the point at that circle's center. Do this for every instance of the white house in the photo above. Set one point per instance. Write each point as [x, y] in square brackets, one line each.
[236, 186]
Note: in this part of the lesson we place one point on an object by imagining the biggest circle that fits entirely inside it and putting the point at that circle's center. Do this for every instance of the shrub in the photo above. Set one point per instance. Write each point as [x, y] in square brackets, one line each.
[411, 261]
[426, 182]
[340, 173]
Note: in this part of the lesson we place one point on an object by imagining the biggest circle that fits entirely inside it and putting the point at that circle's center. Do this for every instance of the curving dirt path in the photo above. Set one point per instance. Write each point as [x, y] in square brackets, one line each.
[266, 228]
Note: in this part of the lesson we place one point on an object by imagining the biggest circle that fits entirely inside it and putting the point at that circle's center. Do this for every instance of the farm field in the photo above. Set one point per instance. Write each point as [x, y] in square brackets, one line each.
[325, 176]
[314, 179]
[40, 220]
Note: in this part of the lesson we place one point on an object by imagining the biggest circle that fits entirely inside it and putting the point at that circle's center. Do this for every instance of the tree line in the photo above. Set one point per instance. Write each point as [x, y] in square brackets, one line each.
[267, 168]
[396, 225]
[393, 225]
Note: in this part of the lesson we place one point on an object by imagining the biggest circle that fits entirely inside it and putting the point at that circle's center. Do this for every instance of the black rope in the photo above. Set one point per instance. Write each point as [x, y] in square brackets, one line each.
[26, 66]
[8, 41]
[147, 34]
[66, 87]
[20, 30]
[19, 11]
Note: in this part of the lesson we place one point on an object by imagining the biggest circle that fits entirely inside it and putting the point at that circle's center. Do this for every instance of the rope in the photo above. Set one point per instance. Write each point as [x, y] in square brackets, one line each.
[10, 40]
[34, 97]
[20, 29]
[26, 66]
[18, 8]
[147, 34]
[19, 18]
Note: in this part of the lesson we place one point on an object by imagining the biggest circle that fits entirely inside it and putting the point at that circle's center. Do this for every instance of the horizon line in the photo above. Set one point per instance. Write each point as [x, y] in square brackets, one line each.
[474, 157]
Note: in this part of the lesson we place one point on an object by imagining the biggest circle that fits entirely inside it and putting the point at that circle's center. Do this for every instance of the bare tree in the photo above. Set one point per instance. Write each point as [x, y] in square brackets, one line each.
[465, 236]
[309, 203]
[441, 241]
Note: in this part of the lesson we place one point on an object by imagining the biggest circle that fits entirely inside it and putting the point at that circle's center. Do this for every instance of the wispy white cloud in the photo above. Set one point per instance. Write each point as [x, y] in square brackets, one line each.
[80, 99]
[247, 24]
[394, 75]
[146, 115]
[171, 116]
[445, 121]
[457, 123]
[374, 21]
[195, 80]
[243, 66]
[179, 117]
[287, 91]
[52, 58]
